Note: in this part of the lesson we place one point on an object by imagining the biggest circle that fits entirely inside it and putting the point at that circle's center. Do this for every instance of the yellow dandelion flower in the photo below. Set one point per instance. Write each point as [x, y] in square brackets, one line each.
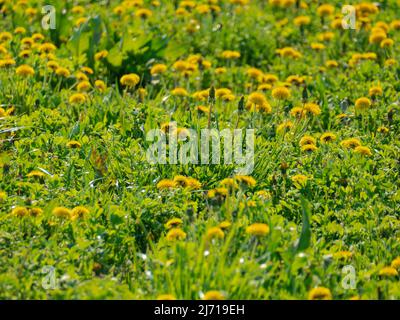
[166, 297]
[396, 263]
[20, 211]
[74, 144]
[327, 137]
[130, 80]
[77, 98]
[215, 233]
[320, 293]
[25, 71]
[305, 140]
[176, 234]
[300, 180]
[258, 229]
[101, 55]
[166, 184]
[224, 225]
[213, 295]
[246, 180]
[61, 212]
[174, 222]
[79, 212]
[158, 69]
[388, 272]
[63, 72]
[143, 13]
[325, 10]
[351, 143]
[100, 85]
[365, 151]
[309, 148]
[281, 93]
[363, 103]
[35, 174]
[383, 130]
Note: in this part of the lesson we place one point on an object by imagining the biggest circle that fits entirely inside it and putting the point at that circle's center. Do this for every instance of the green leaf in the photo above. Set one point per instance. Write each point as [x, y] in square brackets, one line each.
[305, 237]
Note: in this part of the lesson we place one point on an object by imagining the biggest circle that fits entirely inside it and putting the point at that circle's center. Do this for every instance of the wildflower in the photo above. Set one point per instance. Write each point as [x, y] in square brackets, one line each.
[309, 148]
[203, 109]
[300, 180]
[83, 86]
[343, 255]
[383, 129]
[179, 92]
[37, 37]
[284, 126]
[254, 73]
[298, 112]
[158, 69]
[351, 143]
[79, 212]
[377, 37]
[53, 65]
[363, 103]
[388, 272]
[325, 10]
[35, 174]
[77, 98]
[246, 180]
[281, 93]
[19, 30]
[387, 43]
[365, 151]
[3, 196]
[100, 85]
[221, 70]
[257, 98]
[302, 21]
[47, 47]
[320, 293]
[25, 71]
[35, 212]
[258, 229]
[375, 91]
[176, 234]
[143, 13]
[305, 140]
[327, 137]
[230, 55]
[317, 46]
[20, 211]
[62, 212]
[213, 295]
[396, 263]
[73, 144]
[217, 193]
[101, 55]
[331, 64]
[174, 222]
[87, 70]
[63, 72]
[166, 297]
[130, 80]
[312, 108]
[166, 184]
[224, 225]
[215, 233]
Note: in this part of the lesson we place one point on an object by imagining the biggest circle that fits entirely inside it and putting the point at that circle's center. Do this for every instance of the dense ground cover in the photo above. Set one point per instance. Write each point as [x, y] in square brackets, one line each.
[84, 215]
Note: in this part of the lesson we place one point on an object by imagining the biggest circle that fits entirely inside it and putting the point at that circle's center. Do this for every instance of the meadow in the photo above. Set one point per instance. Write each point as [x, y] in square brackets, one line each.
[84, 215]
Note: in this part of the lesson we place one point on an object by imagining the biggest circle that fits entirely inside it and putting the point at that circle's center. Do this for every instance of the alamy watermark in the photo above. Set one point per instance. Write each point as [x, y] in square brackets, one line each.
[49, 18]
[188, 146]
